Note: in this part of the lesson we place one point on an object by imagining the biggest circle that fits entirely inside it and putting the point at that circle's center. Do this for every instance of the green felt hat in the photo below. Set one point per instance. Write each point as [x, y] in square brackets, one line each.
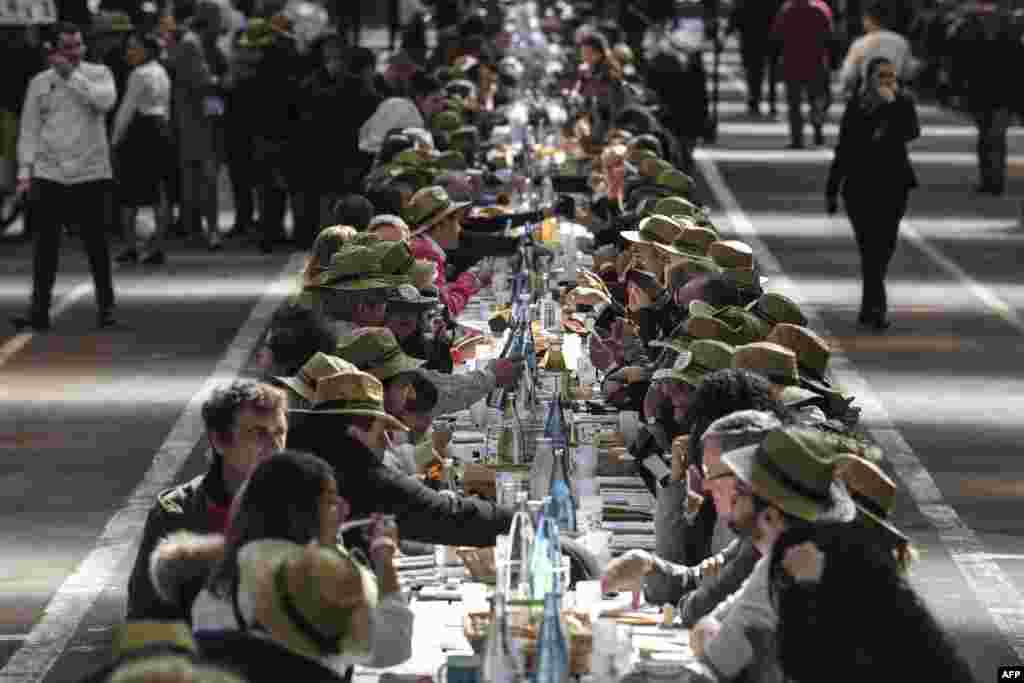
[451, 160]
[658, 230]
[793, 468]
[775, 308]
[702, 358]
[314, 600]
[675, 180]
[743, 328]
[695, 241]
[466, 138]
[446, 121]
[355, 267]
[376, 351]
[258, 34]
[676, 206]
[430, 206]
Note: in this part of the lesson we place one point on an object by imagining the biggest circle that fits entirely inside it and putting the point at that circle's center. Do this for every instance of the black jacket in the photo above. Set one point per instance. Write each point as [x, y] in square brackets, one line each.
[183, 508]
[872, 149]
[371, 486]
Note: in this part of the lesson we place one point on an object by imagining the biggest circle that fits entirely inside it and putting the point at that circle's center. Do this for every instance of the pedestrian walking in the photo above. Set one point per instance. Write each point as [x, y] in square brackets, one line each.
[872, 170]
[143, 150]
[64, 162]
[198, 65]
[804, 29]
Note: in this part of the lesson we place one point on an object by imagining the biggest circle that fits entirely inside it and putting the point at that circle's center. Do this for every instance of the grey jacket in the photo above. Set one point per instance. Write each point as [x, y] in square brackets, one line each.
[739, 560]
[671, 578]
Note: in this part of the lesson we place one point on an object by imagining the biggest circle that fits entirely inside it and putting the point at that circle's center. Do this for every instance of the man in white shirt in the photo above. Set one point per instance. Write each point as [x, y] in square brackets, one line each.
[877, 41]
[64, 160]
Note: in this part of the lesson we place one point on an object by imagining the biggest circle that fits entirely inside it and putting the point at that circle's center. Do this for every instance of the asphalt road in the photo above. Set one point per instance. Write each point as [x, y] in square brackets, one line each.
[86, 413]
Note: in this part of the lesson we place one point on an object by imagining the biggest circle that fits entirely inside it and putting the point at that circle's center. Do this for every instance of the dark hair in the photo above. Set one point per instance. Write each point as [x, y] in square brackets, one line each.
[386, 199]
[220, 411]
[866, 633]
[355, 210]
[393, 145]
[423, 84]
[723, 392]
[426, 392]
[150, 43]
[361, 58]
[296, 333]
[719, 291]
[66, 28]
[281, 500]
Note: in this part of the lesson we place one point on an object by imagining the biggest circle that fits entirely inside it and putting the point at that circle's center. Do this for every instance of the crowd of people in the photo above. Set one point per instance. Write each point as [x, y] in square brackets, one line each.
[774, 502]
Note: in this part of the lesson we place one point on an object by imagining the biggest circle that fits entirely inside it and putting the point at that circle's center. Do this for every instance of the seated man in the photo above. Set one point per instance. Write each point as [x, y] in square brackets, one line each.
[246, 422]
[347, 425]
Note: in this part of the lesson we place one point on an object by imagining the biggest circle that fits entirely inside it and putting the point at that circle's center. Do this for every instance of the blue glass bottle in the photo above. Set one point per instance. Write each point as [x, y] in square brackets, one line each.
[545, 556]
[552, 647]
[560, 487]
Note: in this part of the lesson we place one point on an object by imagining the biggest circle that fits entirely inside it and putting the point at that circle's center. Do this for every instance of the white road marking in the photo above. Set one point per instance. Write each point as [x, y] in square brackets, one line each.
[21, 339]
[983, 293]
[119, 541]
[824, 154]
[994, 590]
[772, 128]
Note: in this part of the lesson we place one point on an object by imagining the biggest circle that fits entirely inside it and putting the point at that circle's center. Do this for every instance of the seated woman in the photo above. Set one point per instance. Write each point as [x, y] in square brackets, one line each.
[291, 497]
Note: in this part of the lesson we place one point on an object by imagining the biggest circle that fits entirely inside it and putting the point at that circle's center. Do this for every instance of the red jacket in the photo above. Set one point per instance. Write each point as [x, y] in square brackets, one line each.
[455, 294]
[804, 27]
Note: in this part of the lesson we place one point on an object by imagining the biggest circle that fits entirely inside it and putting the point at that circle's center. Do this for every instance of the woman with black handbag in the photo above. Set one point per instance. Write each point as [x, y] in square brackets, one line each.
[872, 169]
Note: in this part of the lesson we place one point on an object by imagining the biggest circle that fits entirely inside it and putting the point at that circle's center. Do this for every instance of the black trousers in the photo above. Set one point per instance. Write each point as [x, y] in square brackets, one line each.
[875, 215]
[755, 53]
[55, 206]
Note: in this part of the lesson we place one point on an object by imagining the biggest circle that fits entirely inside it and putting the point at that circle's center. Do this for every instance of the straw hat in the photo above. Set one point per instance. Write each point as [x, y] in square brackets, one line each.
[351, 392]
[312, 599]
[134, 636]
[429, 206]
[793, 468]
[319, 366]
[812, 352]
[873, 492]
[775, 308]
[446, 121]
[376, 351]
[732, 254]
[775, 362]
[702, 358]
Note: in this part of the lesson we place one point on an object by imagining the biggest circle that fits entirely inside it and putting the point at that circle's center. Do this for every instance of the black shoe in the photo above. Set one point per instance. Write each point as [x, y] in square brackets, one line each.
[129, 255]
[819, 137]
[106, 319]
[154, 258]
[874, 321]
[35, 322]
[987, 189]
[795, 145]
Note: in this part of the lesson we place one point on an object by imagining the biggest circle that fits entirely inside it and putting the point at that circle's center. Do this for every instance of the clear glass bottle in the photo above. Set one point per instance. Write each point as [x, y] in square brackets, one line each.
[552, 646]
[521, 538]
[546, 556]
[509, 449]
[501, 663]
